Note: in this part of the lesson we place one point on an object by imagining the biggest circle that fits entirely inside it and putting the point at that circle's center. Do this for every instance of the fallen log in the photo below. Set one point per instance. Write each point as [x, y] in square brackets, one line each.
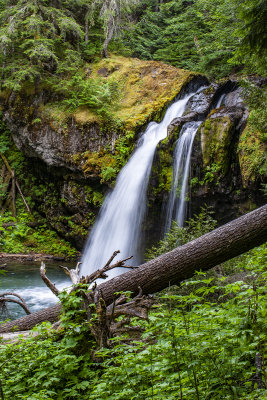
[209, 250]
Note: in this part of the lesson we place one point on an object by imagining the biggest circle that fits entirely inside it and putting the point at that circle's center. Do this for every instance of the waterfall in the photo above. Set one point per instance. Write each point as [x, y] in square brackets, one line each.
[119, 223]
[220, 101]
[176, 207]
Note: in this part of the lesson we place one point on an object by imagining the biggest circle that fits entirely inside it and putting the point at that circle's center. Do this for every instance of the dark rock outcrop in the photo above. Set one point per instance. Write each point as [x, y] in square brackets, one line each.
[56, 147]
[215, 169]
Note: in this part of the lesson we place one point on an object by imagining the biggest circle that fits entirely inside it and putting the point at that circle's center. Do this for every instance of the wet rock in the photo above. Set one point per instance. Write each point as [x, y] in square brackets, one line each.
[201, 102]
[177, 123]
[234, 99]
[218, 132]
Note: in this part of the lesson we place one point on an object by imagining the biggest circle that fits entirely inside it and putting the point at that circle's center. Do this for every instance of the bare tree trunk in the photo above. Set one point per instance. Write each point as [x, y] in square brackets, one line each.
[13, 193]
[224, 243]
[14, 185]
[110, 32]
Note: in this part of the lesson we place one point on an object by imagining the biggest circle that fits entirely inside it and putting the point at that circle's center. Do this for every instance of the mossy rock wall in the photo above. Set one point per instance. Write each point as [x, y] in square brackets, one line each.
[252, 154]
[216, 135]
[73, 156]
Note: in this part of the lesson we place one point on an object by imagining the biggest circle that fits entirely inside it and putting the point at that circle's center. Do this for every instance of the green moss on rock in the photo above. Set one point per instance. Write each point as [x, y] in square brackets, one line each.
[216, 134]
[252, 150]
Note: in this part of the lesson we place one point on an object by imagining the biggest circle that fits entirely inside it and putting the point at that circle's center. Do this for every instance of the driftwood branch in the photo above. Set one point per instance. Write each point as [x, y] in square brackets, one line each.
[14, 185]
[22, 196]
[13, 294]
[104, 324]
[72, 273]
[101, 273]
[21, 302]
[47, 281]
[6, 300]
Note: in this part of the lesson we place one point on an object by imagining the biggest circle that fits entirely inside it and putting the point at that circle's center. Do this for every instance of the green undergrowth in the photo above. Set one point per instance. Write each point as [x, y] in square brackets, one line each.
[204, 340]
[198, 225]
[21, 231]
[17, 236]
[253, 140]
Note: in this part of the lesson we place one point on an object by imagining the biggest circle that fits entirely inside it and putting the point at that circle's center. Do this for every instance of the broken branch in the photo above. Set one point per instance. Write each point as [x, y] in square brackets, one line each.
[47, 281]
[4, 300]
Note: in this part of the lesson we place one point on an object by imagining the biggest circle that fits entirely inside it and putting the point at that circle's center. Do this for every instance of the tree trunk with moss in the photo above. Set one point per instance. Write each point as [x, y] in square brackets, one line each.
[211, 249]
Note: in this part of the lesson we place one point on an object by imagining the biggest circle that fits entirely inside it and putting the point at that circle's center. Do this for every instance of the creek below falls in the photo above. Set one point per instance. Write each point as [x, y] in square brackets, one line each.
[25, 280]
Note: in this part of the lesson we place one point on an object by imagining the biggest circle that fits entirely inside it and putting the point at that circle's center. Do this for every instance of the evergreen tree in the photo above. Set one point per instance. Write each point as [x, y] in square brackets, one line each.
[197, 34]
[37, 38]
[113, 14]
[251, 51]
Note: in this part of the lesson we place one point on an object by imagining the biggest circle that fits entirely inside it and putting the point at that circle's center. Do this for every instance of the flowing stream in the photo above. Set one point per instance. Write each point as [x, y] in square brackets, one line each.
[177, 203]
[118, 226]
[25, 280]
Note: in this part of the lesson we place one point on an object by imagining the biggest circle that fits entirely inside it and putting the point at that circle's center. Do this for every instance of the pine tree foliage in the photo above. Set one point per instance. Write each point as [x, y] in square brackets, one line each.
[254, 14]
[113, 14]
[252, 51]
[195, 34]
[35, 37]
[44, 39]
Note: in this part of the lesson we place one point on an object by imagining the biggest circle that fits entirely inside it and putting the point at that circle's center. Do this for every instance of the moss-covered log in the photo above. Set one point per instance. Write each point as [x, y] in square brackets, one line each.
[223, 243]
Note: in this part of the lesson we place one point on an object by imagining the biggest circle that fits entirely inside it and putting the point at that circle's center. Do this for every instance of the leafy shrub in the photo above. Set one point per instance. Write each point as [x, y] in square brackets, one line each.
[94, 94]
[194, 348]
[197, 226]
[18, 237]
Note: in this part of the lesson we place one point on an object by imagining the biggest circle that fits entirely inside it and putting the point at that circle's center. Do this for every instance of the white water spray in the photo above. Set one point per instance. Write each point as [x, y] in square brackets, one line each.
[177, 203]
[118, 226]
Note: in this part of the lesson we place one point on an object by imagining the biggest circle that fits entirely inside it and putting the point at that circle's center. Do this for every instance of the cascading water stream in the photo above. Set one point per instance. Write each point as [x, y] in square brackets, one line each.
[176, 207]
[118, 226]
[220, 101]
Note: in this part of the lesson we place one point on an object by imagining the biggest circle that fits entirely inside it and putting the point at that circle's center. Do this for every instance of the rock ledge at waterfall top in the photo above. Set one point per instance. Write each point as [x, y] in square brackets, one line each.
[80, 140]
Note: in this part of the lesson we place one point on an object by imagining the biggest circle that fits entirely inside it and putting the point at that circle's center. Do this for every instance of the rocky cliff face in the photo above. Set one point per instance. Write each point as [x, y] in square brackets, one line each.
[72, 158]
[219, 163]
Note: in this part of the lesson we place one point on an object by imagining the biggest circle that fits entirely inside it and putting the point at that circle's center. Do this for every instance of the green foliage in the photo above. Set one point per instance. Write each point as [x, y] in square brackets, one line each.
[204, 340]
[203, 35]
[256, 99]
[196, 35]
[43, 41]
[197, 226]
[123, 148]
[252, 142]
[113, 16]
[107, 174]
[211, 173]
[4, 136]
[16, 236]
[94, 94]
[199, 348]
[252, 49]
[37, 39]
